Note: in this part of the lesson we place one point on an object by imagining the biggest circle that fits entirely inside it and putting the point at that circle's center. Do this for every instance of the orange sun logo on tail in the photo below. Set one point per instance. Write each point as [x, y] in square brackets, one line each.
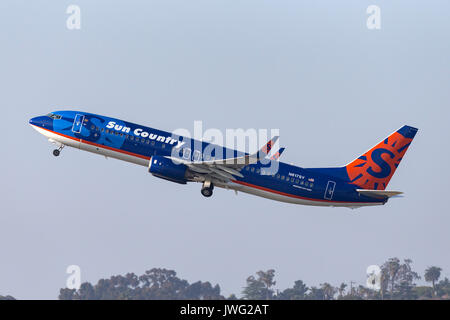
[374, 169]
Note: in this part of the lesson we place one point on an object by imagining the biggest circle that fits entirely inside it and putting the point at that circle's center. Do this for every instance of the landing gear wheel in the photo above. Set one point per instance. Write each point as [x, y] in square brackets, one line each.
[56, 152]
[207, 192]
[207, 189]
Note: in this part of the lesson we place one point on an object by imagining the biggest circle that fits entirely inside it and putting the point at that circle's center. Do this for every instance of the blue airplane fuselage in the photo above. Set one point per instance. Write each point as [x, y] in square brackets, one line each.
[140, 144]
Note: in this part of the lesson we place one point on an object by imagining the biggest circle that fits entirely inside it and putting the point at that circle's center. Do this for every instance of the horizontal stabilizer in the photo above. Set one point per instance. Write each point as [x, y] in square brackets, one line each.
[378, 193]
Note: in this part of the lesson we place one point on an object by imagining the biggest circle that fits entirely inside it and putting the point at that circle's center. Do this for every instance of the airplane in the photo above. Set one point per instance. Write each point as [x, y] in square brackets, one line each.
[360, 183]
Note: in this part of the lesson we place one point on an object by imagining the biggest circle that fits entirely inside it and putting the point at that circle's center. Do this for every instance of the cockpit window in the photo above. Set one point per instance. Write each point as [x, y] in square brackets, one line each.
[54, 116]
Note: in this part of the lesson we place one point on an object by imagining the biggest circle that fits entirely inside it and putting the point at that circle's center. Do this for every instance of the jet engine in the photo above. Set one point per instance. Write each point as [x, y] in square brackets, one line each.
[165, 168]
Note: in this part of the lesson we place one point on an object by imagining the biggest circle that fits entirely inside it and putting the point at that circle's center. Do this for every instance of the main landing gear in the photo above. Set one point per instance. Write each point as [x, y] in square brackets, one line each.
[207, 189]
[56, 152]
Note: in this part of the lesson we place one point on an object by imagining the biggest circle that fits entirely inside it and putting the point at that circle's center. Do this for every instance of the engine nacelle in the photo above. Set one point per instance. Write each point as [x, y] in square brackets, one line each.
[164, 168]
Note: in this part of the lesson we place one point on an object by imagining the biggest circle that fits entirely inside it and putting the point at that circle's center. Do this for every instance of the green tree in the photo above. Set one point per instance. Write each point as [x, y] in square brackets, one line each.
[297, 292]
[316, 294]
[399, 277]
[328, 291]
[389, 272]
[260, 288]
[432, 274]
[268, 279]
[443, 288]
[254, 290]
[341, 290]
[406, 281]
[67, 294]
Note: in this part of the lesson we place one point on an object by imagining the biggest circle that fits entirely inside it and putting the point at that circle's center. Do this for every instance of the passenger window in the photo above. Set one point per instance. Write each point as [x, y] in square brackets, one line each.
[197, 155]
[163, 146]
[107, 130]
[278, 176]
[131, 138]
[253, 169]
[258, 171]
[142, 140]
[92, 127]
[282, 177]
[103, 129]
[187, 153]
[297, 181]
[153, 143]
[311, 185]
[247, 168]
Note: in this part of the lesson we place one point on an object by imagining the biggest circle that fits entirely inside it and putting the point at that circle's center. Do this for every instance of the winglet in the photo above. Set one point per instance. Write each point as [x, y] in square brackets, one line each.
[265, 150]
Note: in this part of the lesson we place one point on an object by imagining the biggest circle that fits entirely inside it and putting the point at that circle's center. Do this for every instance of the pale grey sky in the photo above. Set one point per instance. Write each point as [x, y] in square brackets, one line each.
[310, 68]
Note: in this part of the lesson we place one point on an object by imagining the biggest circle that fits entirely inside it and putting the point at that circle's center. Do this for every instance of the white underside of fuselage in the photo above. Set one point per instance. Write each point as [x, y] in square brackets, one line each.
[61, 140]
[290, 199]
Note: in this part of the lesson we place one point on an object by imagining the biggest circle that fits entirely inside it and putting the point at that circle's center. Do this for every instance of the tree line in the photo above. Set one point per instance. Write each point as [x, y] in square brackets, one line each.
[396, 281]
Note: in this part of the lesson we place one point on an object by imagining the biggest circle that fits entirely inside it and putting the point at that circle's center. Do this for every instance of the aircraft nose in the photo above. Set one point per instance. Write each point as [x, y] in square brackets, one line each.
[42, 121]
[33, 121]
[37, 121]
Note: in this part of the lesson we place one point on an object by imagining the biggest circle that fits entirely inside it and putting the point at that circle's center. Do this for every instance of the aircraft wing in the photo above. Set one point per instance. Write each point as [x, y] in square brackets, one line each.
[379, 193]
[225, 170]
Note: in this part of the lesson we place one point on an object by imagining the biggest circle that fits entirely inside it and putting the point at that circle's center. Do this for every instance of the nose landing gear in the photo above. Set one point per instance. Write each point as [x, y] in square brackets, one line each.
[207, 189]
[56, 152]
